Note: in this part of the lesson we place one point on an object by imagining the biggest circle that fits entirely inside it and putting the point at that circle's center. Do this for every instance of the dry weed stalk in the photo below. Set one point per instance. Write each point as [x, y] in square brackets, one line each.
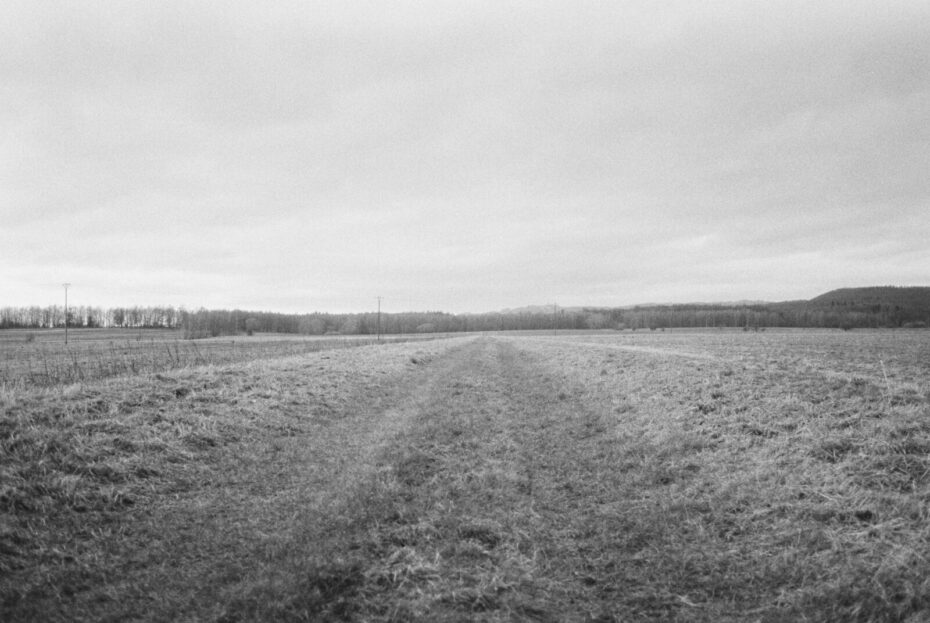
[887, 383]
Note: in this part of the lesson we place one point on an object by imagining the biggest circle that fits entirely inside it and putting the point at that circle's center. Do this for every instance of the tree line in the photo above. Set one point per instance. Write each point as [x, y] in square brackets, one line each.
[53, 316]
[846, 309]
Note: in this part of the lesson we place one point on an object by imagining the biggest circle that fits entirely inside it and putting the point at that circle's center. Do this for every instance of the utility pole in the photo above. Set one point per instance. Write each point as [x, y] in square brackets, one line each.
[66, 286]
[555, 319]
[379, 318]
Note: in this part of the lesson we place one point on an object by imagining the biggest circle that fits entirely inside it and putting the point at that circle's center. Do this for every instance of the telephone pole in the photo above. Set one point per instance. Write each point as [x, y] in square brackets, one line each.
[66, 286]
[379, 318]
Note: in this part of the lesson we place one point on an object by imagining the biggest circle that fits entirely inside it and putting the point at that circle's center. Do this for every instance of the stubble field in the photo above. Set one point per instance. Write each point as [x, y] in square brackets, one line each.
[669, 476]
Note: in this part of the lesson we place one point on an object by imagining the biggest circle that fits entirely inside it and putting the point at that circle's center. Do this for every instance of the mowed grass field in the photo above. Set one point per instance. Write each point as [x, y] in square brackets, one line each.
[657, 476]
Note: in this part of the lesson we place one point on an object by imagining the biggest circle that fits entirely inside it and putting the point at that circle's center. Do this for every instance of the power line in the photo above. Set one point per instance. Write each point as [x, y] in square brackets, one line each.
[66, 286]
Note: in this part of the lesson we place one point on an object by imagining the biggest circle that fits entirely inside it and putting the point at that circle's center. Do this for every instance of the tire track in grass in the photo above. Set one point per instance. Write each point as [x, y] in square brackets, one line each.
[520, 494]
[488, 509]
[315, 572]
[725, 503]
[586, 474]
[375, 549]
[307, 490]
[241, 463]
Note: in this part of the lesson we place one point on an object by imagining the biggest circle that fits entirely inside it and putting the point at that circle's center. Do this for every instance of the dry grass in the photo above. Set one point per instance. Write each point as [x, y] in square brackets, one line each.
[550, 481]
[104, 353]
[148, 497]
[667, 477]
[791, 492]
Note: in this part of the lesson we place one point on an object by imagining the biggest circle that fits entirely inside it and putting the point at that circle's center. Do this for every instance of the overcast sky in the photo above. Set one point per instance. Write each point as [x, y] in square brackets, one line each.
[463, 156]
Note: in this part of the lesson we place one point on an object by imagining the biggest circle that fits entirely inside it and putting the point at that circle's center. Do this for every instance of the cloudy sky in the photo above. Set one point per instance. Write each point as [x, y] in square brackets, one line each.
[463, 156]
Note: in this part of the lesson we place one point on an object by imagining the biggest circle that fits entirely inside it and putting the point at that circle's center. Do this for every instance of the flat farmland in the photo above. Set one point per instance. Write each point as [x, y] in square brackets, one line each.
[647, 476]
[41, 358]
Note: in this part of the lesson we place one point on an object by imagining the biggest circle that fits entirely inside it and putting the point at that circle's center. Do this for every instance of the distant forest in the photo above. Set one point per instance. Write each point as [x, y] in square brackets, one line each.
[850, 308]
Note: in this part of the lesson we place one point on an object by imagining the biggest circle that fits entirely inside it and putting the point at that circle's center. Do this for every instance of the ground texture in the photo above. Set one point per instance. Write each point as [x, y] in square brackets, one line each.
[684, 477]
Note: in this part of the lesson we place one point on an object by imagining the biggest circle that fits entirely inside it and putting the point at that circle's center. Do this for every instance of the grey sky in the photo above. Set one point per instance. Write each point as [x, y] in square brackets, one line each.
[464, 156]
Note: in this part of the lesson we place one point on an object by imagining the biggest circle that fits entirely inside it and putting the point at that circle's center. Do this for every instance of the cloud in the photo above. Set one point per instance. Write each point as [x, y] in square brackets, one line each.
[479, 155]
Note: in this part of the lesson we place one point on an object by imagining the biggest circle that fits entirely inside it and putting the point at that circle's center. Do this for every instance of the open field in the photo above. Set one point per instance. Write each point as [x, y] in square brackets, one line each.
[666, 476]
[41, 358]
